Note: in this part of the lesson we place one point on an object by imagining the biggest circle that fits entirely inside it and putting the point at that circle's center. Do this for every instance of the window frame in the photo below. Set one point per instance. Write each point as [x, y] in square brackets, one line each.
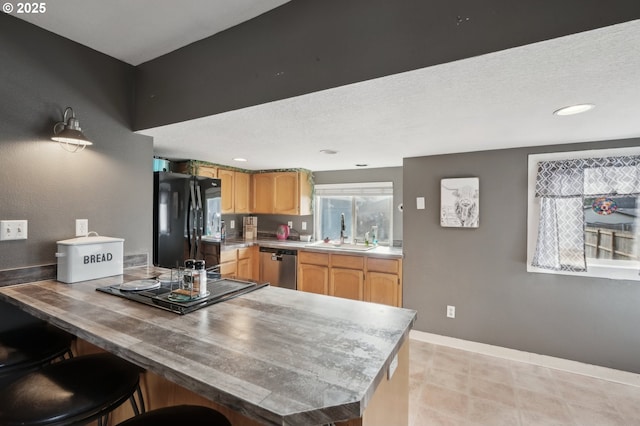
[597, 268]
[352, 190]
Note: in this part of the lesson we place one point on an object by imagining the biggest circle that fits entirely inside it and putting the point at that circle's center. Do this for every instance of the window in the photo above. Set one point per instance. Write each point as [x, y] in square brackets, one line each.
[365, 206]
[583, 215]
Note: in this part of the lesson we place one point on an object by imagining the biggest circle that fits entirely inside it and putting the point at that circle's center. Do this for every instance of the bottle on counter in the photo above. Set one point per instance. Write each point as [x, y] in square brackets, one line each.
[223, 231]
[189, 278]
[202, 278]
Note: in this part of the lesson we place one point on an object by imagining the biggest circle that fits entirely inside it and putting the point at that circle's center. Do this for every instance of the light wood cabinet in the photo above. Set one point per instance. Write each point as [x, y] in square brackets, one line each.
[229, 263]
[246, 260]
[383, 283]
[240, 263]
[242, 192]
[206, 171]
[347, 283]
[281, 193]
[227, 180]
[313, 278]
[235, 191]
[357, 277]
[262, 193]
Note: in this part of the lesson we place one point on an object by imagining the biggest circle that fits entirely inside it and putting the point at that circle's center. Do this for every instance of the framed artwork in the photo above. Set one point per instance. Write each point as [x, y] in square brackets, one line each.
[460, 202]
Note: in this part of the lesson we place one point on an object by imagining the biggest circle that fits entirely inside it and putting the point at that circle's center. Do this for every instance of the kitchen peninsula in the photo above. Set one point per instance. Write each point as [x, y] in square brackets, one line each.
[273, 356]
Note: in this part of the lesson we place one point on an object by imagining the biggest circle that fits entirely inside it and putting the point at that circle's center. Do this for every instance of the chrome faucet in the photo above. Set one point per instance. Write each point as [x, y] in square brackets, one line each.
[342, 228]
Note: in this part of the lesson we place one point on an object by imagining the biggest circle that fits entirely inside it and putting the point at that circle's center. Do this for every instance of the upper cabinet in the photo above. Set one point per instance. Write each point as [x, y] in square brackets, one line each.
[241, 192]
[259, 192]
[281, 193]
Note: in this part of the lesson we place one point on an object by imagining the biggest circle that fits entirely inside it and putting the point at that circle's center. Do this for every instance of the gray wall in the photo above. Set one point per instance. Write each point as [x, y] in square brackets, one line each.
[309, 45]
[110, 183]
[483, 271]
[384, 174]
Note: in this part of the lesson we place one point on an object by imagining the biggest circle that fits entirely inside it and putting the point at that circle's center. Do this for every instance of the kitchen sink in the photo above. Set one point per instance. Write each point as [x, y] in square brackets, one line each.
[334, 245]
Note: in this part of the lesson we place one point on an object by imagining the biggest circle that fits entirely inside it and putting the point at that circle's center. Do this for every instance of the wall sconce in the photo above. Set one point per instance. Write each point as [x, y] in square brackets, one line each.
[69, 134]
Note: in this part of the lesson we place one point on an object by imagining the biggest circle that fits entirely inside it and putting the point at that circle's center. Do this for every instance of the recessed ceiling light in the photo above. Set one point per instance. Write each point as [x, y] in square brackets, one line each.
[239, 159]
[328, 151]
[574, 109]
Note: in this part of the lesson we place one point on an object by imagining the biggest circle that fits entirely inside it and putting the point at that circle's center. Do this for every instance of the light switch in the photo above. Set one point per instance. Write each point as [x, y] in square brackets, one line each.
[420, 203]
[13, 230]
[304, 226]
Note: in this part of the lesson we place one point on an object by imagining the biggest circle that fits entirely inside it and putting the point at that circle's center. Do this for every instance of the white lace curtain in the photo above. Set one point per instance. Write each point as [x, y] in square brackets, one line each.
[562, 186]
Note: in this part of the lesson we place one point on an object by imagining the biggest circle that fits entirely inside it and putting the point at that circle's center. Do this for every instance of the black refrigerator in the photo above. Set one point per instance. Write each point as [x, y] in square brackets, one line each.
[186, 219]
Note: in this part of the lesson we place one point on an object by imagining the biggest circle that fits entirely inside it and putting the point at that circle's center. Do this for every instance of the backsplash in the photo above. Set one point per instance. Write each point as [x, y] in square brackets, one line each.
[267, 225]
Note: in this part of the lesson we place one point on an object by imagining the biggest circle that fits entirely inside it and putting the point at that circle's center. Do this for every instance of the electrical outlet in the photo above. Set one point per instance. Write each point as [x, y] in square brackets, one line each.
[13, 230]
[451, 311]
[290, 223]
[304, 226]
[82, 227]
[232, 224]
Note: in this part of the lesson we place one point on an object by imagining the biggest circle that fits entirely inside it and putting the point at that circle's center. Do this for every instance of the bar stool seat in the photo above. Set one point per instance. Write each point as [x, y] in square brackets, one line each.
[29, 347]
[73, 391]
[192, 415]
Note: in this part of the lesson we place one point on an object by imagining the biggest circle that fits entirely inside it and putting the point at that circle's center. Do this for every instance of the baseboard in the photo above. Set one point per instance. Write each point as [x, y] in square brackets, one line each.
[596, 371]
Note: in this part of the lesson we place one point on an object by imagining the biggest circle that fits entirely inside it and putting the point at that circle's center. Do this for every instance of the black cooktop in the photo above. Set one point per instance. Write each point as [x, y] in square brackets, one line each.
[162, 297]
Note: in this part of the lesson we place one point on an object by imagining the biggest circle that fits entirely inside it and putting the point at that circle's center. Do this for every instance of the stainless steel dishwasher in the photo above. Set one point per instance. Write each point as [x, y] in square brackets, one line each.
[279, 266]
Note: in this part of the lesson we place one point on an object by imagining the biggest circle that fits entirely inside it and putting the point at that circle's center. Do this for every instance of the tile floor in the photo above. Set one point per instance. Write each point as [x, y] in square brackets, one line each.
[454, 387]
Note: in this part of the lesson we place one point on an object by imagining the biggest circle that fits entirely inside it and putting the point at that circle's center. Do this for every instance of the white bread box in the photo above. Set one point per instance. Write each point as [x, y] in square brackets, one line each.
[88, 258]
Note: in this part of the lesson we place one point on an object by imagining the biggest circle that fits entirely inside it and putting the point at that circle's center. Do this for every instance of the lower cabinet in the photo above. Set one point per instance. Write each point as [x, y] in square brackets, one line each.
[239, 263]
[313, 278]
[229, 263]
[382, 288]
[371, 279]
[347, 283]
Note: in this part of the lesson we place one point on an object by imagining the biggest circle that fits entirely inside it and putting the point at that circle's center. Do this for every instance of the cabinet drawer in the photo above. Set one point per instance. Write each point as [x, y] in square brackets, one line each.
[313, 258]
[391, 266]
[350, 262]
[228, 255]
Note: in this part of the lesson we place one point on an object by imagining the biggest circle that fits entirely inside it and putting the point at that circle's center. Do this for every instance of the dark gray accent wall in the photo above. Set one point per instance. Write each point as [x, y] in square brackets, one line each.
[109, 183]
[307, 45]
[383, 174]
[482, 272]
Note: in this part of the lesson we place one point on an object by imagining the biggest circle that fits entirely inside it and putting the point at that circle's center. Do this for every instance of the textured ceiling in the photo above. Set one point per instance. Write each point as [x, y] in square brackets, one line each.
[499, 100]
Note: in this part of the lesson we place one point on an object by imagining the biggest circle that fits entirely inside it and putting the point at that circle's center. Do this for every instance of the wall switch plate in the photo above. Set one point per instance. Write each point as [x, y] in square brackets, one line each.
[13, 230]
[304, 226]
[232, 224]
[451, 311]
[420, 203]
[290, 223]
[82, 227]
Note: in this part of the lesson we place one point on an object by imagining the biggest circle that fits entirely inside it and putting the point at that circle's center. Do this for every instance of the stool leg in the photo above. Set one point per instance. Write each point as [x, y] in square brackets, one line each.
[134, 404]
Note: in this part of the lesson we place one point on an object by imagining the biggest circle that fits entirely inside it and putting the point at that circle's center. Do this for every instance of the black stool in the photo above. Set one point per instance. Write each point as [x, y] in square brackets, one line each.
[192, 415]
[29, 347]
[73, 391]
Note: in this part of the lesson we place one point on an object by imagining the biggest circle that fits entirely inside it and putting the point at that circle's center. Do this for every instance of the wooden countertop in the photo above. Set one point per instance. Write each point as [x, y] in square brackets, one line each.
[279, 356]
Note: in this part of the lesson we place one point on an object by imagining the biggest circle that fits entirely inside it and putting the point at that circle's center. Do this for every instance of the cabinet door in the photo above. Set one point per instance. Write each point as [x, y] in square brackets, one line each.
[207, 171]
[313, 278]
[383, 288]
[242, 192]
[286, 193]
[262, 192]
[347, 283]
[244, 269]
[229, 269]
[227, 182]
